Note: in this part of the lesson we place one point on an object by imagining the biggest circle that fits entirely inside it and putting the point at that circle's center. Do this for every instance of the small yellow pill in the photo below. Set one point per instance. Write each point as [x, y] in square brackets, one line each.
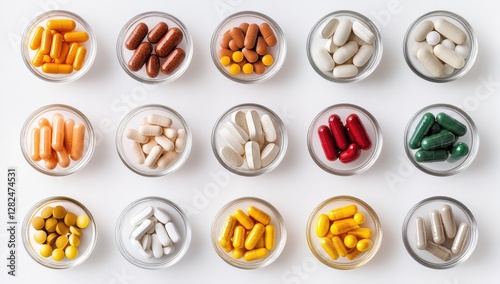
[267, 59]
[259, 215]
[76, 37]
[61, 25]
[327, 246]
[364, 245]
[71, 252]
[59, 212]
[47, 211]
[70, 219]
[247, 68]
[81, 52]
[74, 240]
[253, 237]
[343, 226]
[322, 225]
[57, 254]
[225, 60]
[244, 219]
[45, 250]
[238, 56]
[62, 242]
[350, 241]
[255, 254]
[359, 218]
[38, 223]
[270, 237]
[339, 246]
[75, 230]
[361, 233]
[50, 225]
[51, 239]
[82, 221]
[37, 38]
[238, 253]
[234, 69]
[343, 212]
[40, 236]
[62, 229]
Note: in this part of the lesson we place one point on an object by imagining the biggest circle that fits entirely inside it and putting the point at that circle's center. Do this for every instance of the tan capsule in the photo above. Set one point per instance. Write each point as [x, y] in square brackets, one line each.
[136, 136]
[78, 142]
[364, 54]
[450, 31]
[430, 62]
[439, 251]
[450, 228]
[460, 238]
[437, 229]
[244, 27]
[420, 234]
[58, 132]
[259, 67]
[345, 52]
[345, 71]
[423, 29]
[261, 46]
[226, 38]
[137, 153]
[449, 56]
[225, 52]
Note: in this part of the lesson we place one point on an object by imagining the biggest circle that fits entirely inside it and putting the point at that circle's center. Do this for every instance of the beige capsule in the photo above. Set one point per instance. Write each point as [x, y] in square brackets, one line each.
[153, 156]
[430, 62]
[450, 228]
[460, 238]
[450, 31]
[437, 229]
[150, 130]
[423, 29]
[342, 32]
[180, 142]
[167, 159]
[364, 54]
[345, 52]
[345, 71]
[329, 28]
[439, 251]
[230, 156]
[421, 235]
[363, 32]
[449, 56]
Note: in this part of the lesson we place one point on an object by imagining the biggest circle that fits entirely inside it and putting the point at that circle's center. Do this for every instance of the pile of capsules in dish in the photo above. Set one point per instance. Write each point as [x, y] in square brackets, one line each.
[250, 237]
[156, 143]
[160, 51]
[437, 139]
[154, 233]
[348, 47]
[246, 48]
[58, 47]
[443, 227]
[440, 47]
[344, 142]
[340, 232]
[245, 136]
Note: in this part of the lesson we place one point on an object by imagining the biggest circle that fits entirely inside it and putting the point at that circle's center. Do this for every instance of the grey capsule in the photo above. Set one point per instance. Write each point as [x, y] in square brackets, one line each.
[437, 229]
[450, 228]
[460, 239]
[439, 251]
[421, 235]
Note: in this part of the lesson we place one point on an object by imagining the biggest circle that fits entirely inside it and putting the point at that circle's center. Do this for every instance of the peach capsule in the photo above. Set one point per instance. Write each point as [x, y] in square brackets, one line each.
[58, 132]
[35, 144]
[63, 158]
[45, 142]
[78, 142]
[68, 134]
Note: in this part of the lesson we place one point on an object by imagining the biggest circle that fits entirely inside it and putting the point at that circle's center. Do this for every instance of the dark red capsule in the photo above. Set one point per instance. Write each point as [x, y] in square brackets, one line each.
[350, 154]
[327, 143]
[358, 132]
[338, 132]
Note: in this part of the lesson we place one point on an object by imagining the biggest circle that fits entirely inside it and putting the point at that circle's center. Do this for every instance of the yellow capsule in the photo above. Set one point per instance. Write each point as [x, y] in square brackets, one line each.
[339, 246]
[57, 254]
[353, 253]
[262, 242]
[37, 38]
[45, 250]
[82, 221]
[228, 247]
[40, 236]
[327, 245]
[270, 237]
[342, 212]
[239, 237]
[364, 245]
[359, 218]
[322, 225]
[255, 254]
[225, 60]
[56, 46]
[55, 68]
[62, 242]
[361, 233]
[350, 241]
[238, 253]
[267, 59]
[81, 52]
[227, 231]
[76, 37]
[244, 219]
[45, 42]
[70, 58]
[61, 25]
[71, 252]
[37, 60]
[254, 236]
[64, 53]
[237, 56]
[38, 223]
[70, 219]
[343, 226]
[259, 215]
[234, 69]
[47, 59]
[59, 212]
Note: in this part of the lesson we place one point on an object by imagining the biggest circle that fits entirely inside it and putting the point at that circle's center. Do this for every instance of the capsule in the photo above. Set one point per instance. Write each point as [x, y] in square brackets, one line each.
[350, 154]
[427, 156]
[239, 237]
[78, 142]
[227, 231]
[37, 38]
[460, 239]
[168, 42]
[450, 228]
[353, 253]
[140, 56]
[173, 61]
[63, 158]
[361, 233]
[364, 245]
[421, 235]
[322, 225]
[459, 150]
[268, 34]
[358, 132]
[339, 246]
[328, 247]
[70, 58]
[439, 251]
[76, 37]
[35, 145]
[81, 52]
[136, 36]
[157, 32]
[251, 36]
[68, 133]
[451, 124]
[37, 60]
[439, 140]
[338, 132]
[51, 162]
[61, 25]
[45, 42]
[243, 219]
[45, 142]
[63, 54]
[270, 237]
[253, 237]
[256, 254]
[54, 68]
[327, 143]
[342, 212]
[259, 215]
[238, 38]
[237, 253]
[424, 125]
[437, 229]
[343, 226]
[56, 45]
[58, 132]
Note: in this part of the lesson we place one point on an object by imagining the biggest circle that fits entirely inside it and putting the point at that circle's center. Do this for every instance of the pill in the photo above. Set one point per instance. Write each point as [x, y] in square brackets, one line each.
[76, 36]
[338, 131]
[250, 55]
[238, 37]
[251, 36]
[253, 237]
[232, 141]
[339, 246]
[342, 212]
[261, 46]
[156, 246]
[423, 29]
[54, 68]
[329, 28]
[45, 42]
[459, 150]
[153, 66]
[82, 221]
[173, 61]
[140, 230]
[136, 136]
[37, 60]
[227, 231]
[463, 50]
[460, 238]
[345, 52]
[252, 154]
[450, 31]
[342, 32]
[451, 124]
[58, 254]
[142, 215]
[448, 69]
[439, 140]
[256, 254]
[270, 237]
[78, 142]
[140, 56]
[421, 235]
[421, 129]
[433, 38]
[243, 219]
[437, 155]
[364, 53]
[359, 218]
[330, 46]
[364, 245]
[64, 53]
[239, 117]
[259, 215]
[237, 132]
[153, 156]
[345, 71]
[255, 131]
[363, 32]
[136, 36]
[51, 162]
[180, 142]
[146, 242]
[361, 233]
[172, 231]
[162, 215]
[162, 235]
[420, 45]
[343, 226]
[439, 251]
[63, 159]
[324, 59]
[165, 143]
[45, 142]
[57, 132]
[259, 67]
[449, 56]
[239, 237]
[37, 38]
[450, 228]
[56, 45]
[431, 62]
[35, 144]
[327, 143]
[169, 42]
[268, 128]
[168, 250]
[437, 229]
[170, 132]
[269, 153]
[231, 157]
[61, 25]
[150, 130]
[73, 48]
[448, 43]
[328, 247]
[157, 32]
[167, 159]
[358, 132]
[225, 52]
[350, 241]
[268, 34]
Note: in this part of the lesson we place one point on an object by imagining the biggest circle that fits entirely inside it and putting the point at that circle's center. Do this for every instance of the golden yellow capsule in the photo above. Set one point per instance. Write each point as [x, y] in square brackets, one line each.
[61, 25]
[343, 226]
[364, 245]
[243, 219]
[361, 233]
[254, 236]
[353, 253]
[70, 58]
[45, 250]
[322, 225]
[259, 215]
[262, 242]
[228, 247]
[255, 254]
[56, 46]
[327, 246]
[238, 253]
[81, 52]
[76, 37]
[342, 212]
[57, 254]
[45, 42]
[239, 237]
[47, 59]
[350, 241]
[359, 218]
[339, 246]
[37, 60]
[54, 68]
[61, 59]
[37, 38]
[227, 231]
[270, 237]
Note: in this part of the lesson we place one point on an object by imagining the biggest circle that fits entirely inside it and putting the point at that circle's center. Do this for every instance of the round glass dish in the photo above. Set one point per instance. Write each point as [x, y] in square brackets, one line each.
[219, 142]
[40, 21]
[275, 220]
[87, 239]
[367, 157]
[57, 158]
[316, 43]
[278, 51]
[124, 229]
[411, 46]
[133, 121]
[450, 166]
[151, 19]
[460, 214]
[371, 221]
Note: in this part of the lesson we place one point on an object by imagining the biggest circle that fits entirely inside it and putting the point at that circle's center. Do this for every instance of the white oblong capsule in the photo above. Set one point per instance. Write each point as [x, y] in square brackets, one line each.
[172, 232]
[329, 28]
[439, 251]
[141, 216]
[167, 159]
[252, 154]
[330, 46]
[268, 128]
[364, 53]
[171, 133]
[449, 56]
[450, 31]
[363, 32]
[345, 71]
[168, 250]
[448, 69]
[146, 253]
[423, 29]
[421, 235]
[153, 156]
[152, 229]
[180, 142]
[146, 148]
[161, 215]
[232, 141]
[254, 127]
[134, 135]
[161, 232]
[437, 229]
[150, 130]
[140, 230]
[430, 62]
[237, 132]
[156, 119]
[450, 228]
[239, 117]
[345, 52]
[165, 143]
[269, 153]
[156, 246]
[418, 45]
[342, 32]
[324, 60]
[460, 238]
[230, 156]
[137, 152]
[146, 242]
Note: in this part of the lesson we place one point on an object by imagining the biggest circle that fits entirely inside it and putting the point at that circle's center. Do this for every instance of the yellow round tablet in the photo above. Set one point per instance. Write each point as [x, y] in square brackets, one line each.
[57, 254]
[234, 69]
[82, 221]
[247, 68]
[70, 219]
[47, 212]
[38, 223]
[45, 250]
[71, 252]
[225, 60]
[267, 59]
[40, 236]
[59, 212]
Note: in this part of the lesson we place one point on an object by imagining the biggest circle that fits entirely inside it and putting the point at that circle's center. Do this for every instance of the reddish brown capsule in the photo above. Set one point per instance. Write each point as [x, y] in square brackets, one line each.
[250, 55]
[350, 154]
[136, 36]
[238, 36]
[225, 52]
[261, 46]
[157, 32]
[224, 42]
[358, 132]
[140, 56]
[268, 34]
[338, 132]
[153, 66]
[244, 27]
[173, 61]
[233, 46]
[259, 67]
[327, 143]
[251, 36]
[168, 42]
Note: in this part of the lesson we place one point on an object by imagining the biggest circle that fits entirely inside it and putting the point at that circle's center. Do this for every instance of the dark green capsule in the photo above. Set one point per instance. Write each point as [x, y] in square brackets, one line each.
[435, 128]
[421, 130]
[428, 156]
[451, 124]
[459, 150]
[439, 140]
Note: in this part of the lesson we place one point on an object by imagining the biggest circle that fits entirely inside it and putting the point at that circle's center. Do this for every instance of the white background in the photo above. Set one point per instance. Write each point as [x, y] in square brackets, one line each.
[392, 94]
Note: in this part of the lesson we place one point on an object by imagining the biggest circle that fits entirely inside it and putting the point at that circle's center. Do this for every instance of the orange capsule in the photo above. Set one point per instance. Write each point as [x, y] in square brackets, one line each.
[55, 68]
[63, 158]
[68, 134]
[268, 34]
[61, 25]
[37, 38]
[81, 52]
[56, 46]
[64, 53]
[45, 142]
[35, 144]
[43, 122]
[78, 142]
[37, 60]
[73, 47]
[51, 162]
[57, 132]
[76, 37]
[45, 42]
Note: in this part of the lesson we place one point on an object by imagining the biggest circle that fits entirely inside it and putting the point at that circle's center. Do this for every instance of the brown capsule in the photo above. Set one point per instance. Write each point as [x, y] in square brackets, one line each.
[244, 27]
[268, 34]
[224, 42]
[251, 36]
[136, 36]
[168, 42]
[153, 66]
[238, 36]
[259, 67]
[243, 62]
[233, 46]
[157, 32]
[225, 52]
[173, 60]
[261, 46]
[250, 54]
[140, 56]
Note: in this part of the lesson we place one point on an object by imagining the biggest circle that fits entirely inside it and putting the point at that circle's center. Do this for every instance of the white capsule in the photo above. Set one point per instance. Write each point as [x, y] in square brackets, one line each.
[254, 127]
[239, 117]
[170, 132]
[152, 229]
[165, 143]
[345, 52]
[448, 43]
[423, 29]
[463, 50]
[363, 32]
[323, 60]
[252, 154]
[134, 135]
[430, 62]
[168, 250]
[420, 45]
[172, 232]
[330, 46]
[161, 232]
[268, 128]
[137, 153]
[342, 32]
[162, 215]
[460, 238]
[450, 228]
[150, 130]
[433, 38]
[448, 69]
[156, 246]
[421, 235]
[439, 251]
[231, 157]
[449, 56]
[146, 253]
[153, 157]
[181, 141]
[156, 119]
[450, 31]
[146, 148]
[329, 28]
[232, 141]
[146, 242]
[345, 71]
[269, 153]
[140, 230]
[237, 132]
[437, 229]
[364, 54]
[142, 215]
[356, 39]
[167, 159]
